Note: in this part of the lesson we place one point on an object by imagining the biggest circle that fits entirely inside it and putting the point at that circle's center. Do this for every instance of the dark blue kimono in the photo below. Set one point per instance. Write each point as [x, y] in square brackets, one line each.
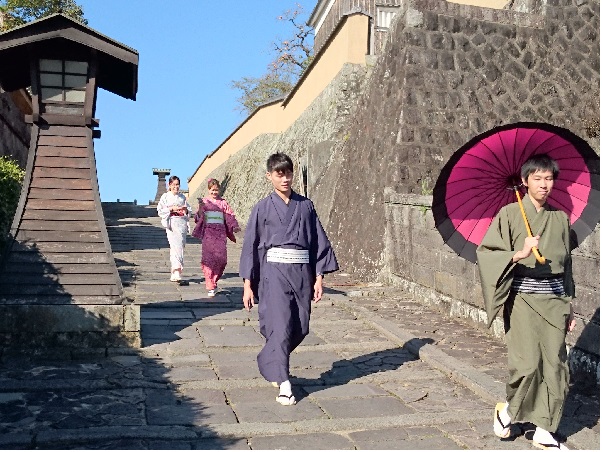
[284, 290]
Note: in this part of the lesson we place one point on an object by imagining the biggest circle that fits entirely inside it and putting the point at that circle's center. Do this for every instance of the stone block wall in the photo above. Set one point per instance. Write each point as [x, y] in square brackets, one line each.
[417, 259]
[448, 73]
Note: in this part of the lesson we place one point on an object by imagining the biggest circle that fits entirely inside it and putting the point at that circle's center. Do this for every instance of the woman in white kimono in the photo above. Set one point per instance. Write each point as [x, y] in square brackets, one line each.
[174, 211]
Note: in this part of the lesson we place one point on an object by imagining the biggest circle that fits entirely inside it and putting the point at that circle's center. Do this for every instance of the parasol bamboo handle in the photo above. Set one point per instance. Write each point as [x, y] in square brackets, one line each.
[538, 256]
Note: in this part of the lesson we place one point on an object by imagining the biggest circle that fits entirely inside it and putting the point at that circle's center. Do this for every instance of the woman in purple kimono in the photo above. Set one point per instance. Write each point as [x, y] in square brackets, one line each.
[285, 255]
[215, 222]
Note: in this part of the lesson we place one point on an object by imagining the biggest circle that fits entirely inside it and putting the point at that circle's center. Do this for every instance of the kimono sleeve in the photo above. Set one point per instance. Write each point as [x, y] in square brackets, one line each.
[321, 249]
[494, 259]
[249, 267]
[188, 209]
[163, 208]
[163, 211]
[230, 222]
[199, 215]
[569, 284]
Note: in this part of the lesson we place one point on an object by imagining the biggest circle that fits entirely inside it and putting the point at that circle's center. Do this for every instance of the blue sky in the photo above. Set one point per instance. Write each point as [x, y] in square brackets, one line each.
[190, 51]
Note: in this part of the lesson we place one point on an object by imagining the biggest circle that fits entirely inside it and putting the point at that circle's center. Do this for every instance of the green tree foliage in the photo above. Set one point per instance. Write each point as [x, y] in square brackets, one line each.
[291, 57]
[14, 13]
[11, 178]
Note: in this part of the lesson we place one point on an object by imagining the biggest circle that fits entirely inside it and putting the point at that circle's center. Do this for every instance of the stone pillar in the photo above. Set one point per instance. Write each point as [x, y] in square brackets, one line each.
[161, 187]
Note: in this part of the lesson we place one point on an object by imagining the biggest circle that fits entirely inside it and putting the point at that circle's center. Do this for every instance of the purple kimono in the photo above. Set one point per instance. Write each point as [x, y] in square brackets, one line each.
[284, 290]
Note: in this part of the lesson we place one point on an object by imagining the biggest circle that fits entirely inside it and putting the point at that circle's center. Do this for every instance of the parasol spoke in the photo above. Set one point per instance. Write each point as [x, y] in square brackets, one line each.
[500, 165]
[535, 141]
[550, 144]
[507, 142]
[492, 167]
[487, 207]
[525, 152]
[484, 190]
[515, 165]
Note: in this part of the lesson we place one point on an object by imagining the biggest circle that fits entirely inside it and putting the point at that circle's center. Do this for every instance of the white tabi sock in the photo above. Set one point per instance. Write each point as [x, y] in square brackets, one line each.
[285, 388]
[543, 436]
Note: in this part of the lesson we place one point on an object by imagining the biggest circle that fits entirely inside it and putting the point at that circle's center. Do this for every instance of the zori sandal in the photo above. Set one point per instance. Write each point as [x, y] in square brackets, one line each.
[499, 429]
[286, 400]
[550, 446]
[545, 441]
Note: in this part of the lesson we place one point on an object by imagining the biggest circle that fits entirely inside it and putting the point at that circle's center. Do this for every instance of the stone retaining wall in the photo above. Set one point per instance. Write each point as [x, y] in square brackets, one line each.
[448, 73]
[308, 141]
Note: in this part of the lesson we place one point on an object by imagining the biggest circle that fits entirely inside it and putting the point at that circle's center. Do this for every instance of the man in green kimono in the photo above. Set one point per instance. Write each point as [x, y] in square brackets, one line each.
[536, 300]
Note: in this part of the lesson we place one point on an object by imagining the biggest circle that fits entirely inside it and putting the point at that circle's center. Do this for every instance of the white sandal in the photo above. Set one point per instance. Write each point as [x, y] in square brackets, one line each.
[286, 400]
[550, 443]
[499, 429]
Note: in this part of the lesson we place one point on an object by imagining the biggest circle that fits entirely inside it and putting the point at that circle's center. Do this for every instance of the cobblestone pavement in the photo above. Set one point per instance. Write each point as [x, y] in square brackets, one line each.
[378, 371]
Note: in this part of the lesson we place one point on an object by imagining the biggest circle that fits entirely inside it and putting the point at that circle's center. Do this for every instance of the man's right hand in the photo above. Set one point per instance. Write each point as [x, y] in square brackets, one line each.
[248, 297]
[530, 243]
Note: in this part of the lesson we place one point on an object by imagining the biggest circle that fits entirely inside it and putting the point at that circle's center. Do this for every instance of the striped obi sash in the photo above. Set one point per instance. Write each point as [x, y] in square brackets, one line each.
[214, 217]
[525, 284]
[288, 256]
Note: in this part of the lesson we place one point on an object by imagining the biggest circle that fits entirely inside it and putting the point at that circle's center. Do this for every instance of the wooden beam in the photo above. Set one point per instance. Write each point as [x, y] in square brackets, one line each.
[60, 141]
[57, 299]
[59, 204]
[63, 131]
[50, 215]
[69, 279]
[61, 173]
[35, 256]
[63, 162]
[61, 151]
[54, 182]
[46, 193]
[60, 120]
[51, 225]
[47, 268]
[58, 289]
[62, 247]
[39, 237]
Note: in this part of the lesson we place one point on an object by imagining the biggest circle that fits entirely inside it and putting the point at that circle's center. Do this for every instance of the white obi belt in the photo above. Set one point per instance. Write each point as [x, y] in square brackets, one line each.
[288, 256]
[214, 217]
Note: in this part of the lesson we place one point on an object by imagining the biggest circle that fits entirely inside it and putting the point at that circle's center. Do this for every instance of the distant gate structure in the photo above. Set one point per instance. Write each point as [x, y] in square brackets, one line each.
[58, 279]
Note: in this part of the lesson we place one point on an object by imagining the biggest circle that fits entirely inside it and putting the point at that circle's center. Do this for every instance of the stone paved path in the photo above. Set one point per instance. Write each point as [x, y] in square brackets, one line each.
[378, 371]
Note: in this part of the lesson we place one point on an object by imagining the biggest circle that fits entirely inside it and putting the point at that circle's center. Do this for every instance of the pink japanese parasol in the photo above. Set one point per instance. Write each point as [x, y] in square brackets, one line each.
[479, 179]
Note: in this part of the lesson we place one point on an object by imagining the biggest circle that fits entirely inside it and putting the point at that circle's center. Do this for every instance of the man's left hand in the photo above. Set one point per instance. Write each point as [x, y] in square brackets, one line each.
[572, 322]
[318, 291]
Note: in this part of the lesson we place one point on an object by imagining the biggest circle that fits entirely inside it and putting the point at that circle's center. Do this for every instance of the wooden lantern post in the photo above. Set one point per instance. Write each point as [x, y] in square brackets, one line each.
[59, 285]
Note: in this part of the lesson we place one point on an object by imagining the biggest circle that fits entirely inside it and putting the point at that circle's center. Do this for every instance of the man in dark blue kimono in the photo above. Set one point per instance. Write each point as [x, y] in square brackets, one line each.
[284, 257]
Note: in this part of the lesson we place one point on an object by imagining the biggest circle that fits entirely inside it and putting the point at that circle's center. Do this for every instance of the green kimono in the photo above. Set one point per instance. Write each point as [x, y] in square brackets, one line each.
[535, 324]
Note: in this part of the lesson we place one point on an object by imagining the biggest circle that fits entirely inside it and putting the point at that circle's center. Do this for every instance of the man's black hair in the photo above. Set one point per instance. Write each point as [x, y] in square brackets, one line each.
[541, 162]
[279, 162]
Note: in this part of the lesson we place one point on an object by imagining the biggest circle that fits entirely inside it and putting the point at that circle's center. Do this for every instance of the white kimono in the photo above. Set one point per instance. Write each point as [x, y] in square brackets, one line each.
[175, 226]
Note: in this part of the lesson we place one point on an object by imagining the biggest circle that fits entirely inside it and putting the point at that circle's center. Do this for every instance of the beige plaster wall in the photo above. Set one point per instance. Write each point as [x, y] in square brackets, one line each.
[348, 45]
[267, 119]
